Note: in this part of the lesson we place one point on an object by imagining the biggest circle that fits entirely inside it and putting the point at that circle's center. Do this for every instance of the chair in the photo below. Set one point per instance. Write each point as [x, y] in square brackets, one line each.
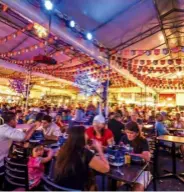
[152, 165]
[48, 185]
[18, 151]
[1, 121]
[16, 174]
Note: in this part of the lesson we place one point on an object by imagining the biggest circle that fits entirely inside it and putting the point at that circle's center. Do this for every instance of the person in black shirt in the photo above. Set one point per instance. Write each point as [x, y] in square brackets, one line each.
[74, 161]
[140, 148]
[116, 127]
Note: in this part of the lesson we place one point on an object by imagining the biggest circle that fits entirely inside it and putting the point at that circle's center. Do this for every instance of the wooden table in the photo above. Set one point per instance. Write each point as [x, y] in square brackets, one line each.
[174, 129]
[147, 126]
[173, 140]
[131, 173]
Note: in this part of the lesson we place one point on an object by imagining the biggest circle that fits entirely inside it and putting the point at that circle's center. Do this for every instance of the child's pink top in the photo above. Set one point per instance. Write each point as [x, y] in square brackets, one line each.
[35, 171]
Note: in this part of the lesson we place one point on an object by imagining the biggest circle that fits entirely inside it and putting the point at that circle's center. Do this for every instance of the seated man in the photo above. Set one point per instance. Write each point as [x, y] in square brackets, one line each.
[50, 129]
[159, 126]
[161, 130]
[9, 133]
[117, 127]
[140, 147]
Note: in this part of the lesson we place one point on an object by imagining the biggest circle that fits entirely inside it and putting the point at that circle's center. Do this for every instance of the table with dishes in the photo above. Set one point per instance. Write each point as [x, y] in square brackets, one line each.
[121, 167]
[127, 173]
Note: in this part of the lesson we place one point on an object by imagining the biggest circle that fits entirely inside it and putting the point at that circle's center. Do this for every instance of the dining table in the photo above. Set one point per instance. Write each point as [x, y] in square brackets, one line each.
[127, 173]
[176, 131]
[148, 126]
[173, 140]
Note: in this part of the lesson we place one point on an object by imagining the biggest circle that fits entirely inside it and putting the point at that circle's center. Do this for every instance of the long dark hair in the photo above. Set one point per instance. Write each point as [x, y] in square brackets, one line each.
[70, 152]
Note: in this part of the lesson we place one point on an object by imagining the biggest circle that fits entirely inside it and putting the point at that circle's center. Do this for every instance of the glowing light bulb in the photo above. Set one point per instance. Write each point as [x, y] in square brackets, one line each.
[89, 36]
[48, 5]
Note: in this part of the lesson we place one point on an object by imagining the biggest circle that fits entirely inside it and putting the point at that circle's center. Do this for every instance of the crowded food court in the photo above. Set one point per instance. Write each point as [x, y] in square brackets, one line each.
[91, 95]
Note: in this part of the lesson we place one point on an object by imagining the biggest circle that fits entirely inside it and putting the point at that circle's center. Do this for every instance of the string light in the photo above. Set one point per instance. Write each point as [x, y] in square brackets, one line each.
[89, 36]
[41, 31]
[72, 24]
[48, 5]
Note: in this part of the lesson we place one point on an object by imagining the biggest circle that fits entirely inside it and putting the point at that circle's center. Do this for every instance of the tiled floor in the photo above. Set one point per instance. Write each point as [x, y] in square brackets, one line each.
[169, 184]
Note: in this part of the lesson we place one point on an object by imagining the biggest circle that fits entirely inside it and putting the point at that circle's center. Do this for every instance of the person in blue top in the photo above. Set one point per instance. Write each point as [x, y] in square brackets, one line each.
[159, 126]
[161, 130]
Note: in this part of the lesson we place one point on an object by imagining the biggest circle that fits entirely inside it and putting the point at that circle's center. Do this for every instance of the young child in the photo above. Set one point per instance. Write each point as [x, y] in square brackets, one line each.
[36, 165]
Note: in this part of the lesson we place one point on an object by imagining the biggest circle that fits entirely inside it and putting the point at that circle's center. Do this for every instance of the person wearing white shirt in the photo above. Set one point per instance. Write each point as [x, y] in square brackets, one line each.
[8, 134]
[50, 129]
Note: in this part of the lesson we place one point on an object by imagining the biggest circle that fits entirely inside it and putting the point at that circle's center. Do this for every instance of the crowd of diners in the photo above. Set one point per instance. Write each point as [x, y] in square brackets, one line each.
[76, 158]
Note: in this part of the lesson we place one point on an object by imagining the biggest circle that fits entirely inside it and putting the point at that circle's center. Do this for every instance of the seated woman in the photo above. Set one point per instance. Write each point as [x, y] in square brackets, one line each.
[140, 149]
[74, 161]
[99, 132]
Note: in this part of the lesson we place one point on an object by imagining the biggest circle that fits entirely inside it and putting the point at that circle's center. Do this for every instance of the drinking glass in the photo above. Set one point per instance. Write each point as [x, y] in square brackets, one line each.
[118, 170]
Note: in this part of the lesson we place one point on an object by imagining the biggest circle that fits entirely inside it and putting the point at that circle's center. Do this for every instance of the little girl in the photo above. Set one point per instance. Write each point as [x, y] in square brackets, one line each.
[36, 165]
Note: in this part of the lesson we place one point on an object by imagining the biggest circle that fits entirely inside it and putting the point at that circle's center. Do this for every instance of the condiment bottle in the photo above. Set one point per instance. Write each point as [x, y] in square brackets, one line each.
[127, 158]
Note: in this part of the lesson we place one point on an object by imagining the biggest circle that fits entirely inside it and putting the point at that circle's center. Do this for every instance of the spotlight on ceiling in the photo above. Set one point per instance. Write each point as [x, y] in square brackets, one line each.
[72, 24]
[48, 5]
[89, 36]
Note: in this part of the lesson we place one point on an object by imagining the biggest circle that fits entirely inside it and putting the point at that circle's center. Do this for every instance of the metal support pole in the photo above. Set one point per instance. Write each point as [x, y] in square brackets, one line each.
[28, 81]
[145, 98]
[141, 97]
[106, 102]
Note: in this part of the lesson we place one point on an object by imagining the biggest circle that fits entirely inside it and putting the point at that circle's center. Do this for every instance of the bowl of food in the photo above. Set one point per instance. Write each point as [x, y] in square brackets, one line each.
[115, 156]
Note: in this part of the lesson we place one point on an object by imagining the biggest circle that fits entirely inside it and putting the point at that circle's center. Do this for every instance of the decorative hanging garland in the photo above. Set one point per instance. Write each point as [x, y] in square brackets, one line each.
[22, 51]
[164, 51]
[154, 69]
[18, 85]
[143, 62]
[160, 82]
[16, 34]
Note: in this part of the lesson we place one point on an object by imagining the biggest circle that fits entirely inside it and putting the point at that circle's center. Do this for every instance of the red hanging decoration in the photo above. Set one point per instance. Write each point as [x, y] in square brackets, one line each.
[157, 51]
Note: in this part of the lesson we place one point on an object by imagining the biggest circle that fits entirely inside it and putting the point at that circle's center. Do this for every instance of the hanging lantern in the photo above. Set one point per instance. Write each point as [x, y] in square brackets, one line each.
[148, 62]
[175, 49]
[182, 48]
[157, 51]
[162, 62]
[140, 52]
[142, 62]
[133, 52]
[5, 8]
[129, 62]
[155, 62]
[148, 52]
[165, 51]
[178, 61]
[170, 61]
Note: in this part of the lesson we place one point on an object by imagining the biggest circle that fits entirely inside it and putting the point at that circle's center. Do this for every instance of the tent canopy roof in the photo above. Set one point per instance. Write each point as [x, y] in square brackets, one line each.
[120, 25]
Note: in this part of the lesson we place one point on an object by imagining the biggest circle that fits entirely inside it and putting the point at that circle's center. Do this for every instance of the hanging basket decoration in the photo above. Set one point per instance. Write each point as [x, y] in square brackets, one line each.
[87, 85]
[18, 85]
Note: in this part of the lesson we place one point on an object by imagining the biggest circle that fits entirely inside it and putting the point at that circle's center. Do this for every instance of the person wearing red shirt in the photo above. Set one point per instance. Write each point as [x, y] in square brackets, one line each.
[99, 132]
